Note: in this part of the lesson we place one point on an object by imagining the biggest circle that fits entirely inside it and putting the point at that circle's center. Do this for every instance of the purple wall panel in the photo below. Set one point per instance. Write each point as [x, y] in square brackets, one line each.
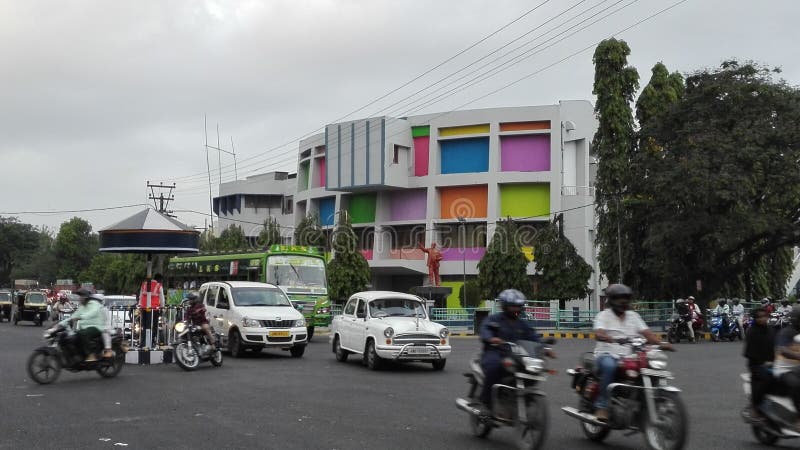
[525, 153]
[408, 205]
[457, 254]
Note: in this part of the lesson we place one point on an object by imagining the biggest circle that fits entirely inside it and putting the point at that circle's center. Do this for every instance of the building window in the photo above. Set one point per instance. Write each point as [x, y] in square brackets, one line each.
[396, 157]
[288, 205]
[267, 202]
[471, 235]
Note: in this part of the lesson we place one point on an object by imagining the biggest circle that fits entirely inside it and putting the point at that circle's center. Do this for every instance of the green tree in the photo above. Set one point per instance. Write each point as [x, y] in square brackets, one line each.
[504, 266]
[348, 272]
[75, 246]
[615, 85]
[727, 190]
[309, 232]
[271, 234]
[232, 238]
[209, 243]
[473, 294]
[116, 273]
[17, 241]
[561, 273]
[41, 264]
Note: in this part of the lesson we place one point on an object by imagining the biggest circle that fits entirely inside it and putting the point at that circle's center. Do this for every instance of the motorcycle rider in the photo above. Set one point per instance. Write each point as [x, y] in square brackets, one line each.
[787, 361]
[498, 329]
[760, 353]
[723, 310]
[697, 315]
[196, 314]
[785, 307]
[738, 313]
[612, 326]
[91, 321]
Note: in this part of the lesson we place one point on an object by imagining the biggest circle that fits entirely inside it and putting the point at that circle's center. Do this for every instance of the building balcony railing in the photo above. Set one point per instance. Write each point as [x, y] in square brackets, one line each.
[587, 191]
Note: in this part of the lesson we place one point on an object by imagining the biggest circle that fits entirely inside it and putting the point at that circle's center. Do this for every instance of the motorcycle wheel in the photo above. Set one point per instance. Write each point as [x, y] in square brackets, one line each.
[186, 356]
[670, 337]
[479, 427]
[671, 431]
[533, 434]
[715, 337]
[764, 437]
[43, 367]
[216, 358]
[595, 433]
[113, 369]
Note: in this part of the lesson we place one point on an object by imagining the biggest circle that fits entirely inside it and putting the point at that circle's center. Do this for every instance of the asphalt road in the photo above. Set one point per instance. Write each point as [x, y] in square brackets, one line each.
[271, 400]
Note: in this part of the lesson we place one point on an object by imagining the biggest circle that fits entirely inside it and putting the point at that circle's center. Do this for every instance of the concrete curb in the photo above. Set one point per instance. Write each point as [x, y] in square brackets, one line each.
[576, 335]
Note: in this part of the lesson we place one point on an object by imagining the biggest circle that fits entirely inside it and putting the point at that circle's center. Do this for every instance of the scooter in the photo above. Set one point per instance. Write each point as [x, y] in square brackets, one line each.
[779, 412]
[516, 400]
[720, 330]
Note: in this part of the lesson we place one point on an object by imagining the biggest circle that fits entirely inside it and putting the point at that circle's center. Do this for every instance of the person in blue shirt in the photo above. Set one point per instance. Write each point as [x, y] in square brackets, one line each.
[498, 329]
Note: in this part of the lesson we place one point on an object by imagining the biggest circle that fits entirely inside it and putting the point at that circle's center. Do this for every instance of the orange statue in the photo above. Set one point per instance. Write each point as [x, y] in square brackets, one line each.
[434, 256]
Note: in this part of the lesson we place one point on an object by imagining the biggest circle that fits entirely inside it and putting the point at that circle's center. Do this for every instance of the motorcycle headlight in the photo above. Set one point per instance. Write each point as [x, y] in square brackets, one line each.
[444, 332]
[300, 323]
[533, 364]
[657, 360]
[251, 323]
[388, 332]
[180, 327]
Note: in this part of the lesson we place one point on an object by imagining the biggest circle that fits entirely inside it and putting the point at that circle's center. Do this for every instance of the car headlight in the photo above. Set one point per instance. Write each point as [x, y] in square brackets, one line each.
[300, 323]
[180, 327]
[533, 364]
[657, 359]
[252, 323]
[388, 332]
[444, 332]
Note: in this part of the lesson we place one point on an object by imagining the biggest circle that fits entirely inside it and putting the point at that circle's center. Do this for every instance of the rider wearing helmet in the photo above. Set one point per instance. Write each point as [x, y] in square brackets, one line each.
[785, 307]
[196, 314]
[738, 313]
[787, 360]
[498, 329]
[91, 321]
[614, 325]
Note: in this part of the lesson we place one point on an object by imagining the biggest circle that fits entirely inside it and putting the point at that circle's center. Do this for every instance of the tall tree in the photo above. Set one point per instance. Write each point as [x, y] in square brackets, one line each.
[209, 242]
[271, 234]
[17, 241]
[349, 272]
[504, 266]
[727, 188]
[116, 274]
[615, 84]
[42, 263]
[561, 273]
[232, 238]
[309, 232]
[75, 247]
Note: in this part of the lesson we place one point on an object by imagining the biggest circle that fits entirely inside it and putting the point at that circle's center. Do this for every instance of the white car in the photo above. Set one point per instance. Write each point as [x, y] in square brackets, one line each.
[382, 325]
[250, 315]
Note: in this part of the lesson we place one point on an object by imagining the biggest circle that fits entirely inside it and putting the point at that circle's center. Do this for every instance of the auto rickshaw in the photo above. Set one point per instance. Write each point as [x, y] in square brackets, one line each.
[5, 305]
[33, 309]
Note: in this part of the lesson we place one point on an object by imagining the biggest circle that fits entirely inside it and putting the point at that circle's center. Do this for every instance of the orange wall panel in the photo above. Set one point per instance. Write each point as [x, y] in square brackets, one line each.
[465, 201]
[525, 126]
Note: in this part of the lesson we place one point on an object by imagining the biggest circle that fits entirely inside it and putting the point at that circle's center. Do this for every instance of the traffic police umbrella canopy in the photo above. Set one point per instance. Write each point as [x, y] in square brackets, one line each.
[149, 232]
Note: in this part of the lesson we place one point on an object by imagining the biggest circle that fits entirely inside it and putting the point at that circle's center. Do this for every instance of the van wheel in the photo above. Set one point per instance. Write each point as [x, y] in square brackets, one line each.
[310, 331]
[439, 364]
[297, 351]
[235, 344]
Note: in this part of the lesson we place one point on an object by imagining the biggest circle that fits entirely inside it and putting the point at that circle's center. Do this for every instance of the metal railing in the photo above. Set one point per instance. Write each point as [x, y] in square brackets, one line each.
[146, 328]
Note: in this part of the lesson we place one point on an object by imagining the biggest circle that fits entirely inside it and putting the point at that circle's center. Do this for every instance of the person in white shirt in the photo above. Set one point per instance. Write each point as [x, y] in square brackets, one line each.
[785, 307]
[697, 314]
[612, 326]
[738, 313]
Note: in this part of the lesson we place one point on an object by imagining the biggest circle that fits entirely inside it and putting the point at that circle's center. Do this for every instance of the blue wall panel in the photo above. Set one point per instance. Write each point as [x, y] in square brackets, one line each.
[465, 155]
[327, 207]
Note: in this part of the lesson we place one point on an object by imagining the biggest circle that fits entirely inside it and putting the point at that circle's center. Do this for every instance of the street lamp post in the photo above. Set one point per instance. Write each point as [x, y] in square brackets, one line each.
[463, 222]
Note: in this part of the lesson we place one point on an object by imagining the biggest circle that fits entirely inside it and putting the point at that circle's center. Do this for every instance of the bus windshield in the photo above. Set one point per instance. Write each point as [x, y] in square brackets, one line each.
[296, 271]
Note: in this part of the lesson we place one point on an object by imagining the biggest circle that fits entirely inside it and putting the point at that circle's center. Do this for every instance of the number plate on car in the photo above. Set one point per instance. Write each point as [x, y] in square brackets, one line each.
[279, 334]
[419, 351]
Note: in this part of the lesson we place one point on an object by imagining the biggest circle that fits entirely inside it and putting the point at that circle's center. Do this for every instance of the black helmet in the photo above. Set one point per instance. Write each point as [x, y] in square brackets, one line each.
[722, 301]
[83, 292]
[192, 297]
[619, 297]
[736, 301]
[512, 297]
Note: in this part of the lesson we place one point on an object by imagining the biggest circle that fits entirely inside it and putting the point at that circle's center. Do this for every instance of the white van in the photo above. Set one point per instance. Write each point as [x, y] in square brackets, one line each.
[249, 315]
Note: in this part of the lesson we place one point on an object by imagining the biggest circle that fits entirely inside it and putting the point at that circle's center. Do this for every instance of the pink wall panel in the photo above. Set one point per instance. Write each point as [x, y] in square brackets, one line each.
[525, 153]
[457, 254]
[422, 145]
[322, 171]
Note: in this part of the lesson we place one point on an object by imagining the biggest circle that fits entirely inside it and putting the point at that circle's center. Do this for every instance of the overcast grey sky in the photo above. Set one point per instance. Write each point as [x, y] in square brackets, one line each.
[98, 97]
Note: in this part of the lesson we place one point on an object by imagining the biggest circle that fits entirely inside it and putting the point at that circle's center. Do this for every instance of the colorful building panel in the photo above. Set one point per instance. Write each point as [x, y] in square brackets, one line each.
[327, 209]
[525, 126]
[464, 130]
[461, 254]
[422, 146]
[525, 153]
[525, 200]
[465, 155]
[362, 208]
[463, 201]
[408, 205]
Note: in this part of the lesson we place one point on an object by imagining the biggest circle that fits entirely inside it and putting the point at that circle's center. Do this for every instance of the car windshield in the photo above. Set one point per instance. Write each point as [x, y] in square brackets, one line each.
[35, 298]
[396, 307]
[5, 296]
[296, 271]
[258, 296]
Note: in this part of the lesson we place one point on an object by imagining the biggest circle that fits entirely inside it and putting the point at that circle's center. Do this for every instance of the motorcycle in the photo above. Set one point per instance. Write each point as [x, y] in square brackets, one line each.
[679, 328]
[779, 414]
[641, 400]
[516, 400]
[778, 320]
[193, 347]
[63, 350]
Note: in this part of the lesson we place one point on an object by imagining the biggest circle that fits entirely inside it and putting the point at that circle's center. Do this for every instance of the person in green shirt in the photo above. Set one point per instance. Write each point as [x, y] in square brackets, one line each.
[91, 320]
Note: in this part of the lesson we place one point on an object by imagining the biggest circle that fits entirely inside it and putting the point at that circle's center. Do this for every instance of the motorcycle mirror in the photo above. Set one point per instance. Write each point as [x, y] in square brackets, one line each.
[797, 339]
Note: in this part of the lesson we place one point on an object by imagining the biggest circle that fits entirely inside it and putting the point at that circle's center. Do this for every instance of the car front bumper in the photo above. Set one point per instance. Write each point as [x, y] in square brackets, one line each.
[410, 352]
[267, 336]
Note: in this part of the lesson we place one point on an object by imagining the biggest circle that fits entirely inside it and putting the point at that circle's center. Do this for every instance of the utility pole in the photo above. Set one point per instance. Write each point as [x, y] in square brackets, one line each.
[161, 201]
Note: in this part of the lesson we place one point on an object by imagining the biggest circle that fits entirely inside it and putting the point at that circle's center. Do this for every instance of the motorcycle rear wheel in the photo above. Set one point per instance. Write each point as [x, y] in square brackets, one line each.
[186, 356]
[479, 427]
[764, 437]
[671, 433]
[533, 434]
[112, 370]
[43, 367]
[595, 433]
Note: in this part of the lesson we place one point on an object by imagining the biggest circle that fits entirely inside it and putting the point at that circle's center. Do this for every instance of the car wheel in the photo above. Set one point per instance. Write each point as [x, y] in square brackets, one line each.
[341, 354]
[297, 351]
[235, 344]
[371, 356]
[439, 364]
[310, 331]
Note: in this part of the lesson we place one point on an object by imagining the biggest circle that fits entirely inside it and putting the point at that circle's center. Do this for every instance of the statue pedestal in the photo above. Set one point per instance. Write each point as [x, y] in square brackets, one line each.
[436, 294]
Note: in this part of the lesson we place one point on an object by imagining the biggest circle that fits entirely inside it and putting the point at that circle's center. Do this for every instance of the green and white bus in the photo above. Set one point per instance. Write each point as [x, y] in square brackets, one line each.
[299, 271]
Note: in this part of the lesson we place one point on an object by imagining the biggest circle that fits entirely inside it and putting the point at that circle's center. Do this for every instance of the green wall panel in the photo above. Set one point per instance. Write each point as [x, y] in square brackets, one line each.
[362, 208]
[420, 131]
[303, 181]
[452, 299]
[525, 200]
